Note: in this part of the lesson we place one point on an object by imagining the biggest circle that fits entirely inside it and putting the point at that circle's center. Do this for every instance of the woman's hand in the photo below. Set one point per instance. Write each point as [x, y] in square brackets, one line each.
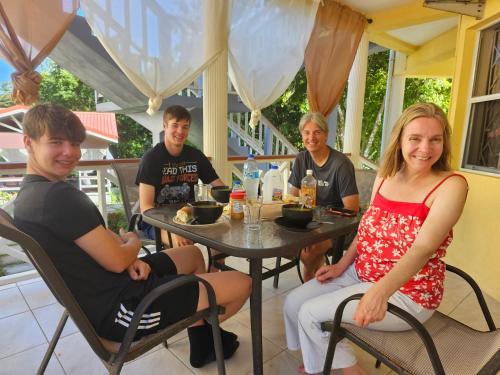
[327, 273]
[371, 308]
[139, 270]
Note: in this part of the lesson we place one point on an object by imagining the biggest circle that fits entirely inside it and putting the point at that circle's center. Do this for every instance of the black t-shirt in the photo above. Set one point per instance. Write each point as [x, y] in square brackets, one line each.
[174, 177]
[55, 214]
[336, 178]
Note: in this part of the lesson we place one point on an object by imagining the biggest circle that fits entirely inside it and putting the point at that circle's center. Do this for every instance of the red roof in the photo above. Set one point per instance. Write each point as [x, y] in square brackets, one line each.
[14, 108]
[11, 140]
[99, 124]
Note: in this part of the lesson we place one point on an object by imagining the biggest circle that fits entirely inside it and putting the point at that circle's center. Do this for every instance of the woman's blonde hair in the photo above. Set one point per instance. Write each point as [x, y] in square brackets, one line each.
[317, 118]
[393, 156]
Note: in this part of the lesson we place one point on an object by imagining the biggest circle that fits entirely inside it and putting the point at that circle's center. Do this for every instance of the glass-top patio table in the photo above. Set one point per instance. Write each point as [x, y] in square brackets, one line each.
[235, 239]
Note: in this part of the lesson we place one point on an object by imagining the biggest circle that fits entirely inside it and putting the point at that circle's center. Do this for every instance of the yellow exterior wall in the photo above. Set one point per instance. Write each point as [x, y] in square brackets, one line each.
[476, 247]
[436, 58]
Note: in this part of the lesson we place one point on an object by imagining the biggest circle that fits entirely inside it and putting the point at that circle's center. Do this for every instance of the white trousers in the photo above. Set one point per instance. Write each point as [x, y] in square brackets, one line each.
[312, 303]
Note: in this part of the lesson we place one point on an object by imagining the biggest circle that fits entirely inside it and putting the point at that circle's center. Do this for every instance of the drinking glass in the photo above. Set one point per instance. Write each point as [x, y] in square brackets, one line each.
[252, 212]
[201, 192]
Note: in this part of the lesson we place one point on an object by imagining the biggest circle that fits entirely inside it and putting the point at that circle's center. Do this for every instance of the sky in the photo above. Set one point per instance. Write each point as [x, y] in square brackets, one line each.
[5, 71]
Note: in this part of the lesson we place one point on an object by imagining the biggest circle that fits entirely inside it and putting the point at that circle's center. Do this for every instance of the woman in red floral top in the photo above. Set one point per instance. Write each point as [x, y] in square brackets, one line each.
[396, 255]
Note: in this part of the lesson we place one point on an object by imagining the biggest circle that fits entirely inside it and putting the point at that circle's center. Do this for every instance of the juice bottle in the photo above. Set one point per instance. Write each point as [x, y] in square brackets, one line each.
[308, 189]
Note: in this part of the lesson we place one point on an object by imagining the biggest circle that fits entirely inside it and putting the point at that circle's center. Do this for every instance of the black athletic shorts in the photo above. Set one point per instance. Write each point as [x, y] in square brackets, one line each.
[166, 309]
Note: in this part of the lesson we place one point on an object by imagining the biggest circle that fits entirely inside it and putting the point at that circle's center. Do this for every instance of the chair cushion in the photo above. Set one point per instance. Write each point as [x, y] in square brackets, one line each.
[462, 350]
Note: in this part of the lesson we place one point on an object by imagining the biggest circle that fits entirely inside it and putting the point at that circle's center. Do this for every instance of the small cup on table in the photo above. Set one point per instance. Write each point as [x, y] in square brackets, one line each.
[253, 212]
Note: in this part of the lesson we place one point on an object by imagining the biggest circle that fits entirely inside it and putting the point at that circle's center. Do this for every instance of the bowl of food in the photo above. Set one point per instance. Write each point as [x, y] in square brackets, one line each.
[221, 193]
[296, 214]
[206, 212]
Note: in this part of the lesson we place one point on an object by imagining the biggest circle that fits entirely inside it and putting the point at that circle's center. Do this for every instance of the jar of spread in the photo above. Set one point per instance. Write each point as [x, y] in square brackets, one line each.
[236, 201]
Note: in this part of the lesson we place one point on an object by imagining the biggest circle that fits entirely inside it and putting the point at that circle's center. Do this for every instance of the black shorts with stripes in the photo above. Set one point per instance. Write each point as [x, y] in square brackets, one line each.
[166, 309]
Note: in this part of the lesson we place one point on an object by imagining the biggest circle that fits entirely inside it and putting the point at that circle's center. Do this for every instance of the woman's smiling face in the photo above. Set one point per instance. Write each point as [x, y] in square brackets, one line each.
[422, 143]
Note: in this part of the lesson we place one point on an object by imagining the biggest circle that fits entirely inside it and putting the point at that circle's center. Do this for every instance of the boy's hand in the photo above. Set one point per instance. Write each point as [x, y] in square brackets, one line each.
[139, 270]
[128, 236]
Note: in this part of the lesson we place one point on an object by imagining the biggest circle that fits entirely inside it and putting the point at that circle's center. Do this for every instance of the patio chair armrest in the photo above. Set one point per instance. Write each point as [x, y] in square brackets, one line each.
[152, 296]
[477, 292]
[402, 314]
[134, 220]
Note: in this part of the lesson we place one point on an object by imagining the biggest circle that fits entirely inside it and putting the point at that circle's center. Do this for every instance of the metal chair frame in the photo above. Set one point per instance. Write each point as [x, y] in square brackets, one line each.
[128, 350]
[339, 331]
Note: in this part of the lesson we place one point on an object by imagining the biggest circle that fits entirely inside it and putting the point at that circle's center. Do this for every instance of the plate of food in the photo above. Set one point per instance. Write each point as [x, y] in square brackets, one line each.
[184, 216]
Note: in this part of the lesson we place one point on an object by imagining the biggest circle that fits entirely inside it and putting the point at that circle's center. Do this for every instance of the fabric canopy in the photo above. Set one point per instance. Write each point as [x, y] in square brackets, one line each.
[330, 54]
[161, 46]
[267, 40]
[29, 30]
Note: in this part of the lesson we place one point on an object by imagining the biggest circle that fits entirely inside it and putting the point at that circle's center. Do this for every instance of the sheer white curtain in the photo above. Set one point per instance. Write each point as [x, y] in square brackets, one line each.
[267, 40]
[160, 45]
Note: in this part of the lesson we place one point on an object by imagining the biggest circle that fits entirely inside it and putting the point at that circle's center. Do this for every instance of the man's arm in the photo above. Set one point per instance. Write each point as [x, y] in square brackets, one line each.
[217, 182]
[294, 191]
[146, 196]
[105, 249]
[351, 202]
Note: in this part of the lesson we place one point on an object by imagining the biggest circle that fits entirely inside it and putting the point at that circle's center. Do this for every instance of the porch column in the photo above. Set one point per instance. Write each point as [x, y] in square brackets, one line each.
[394, 96]
[215, 133]
[332, 127]
[355, 103]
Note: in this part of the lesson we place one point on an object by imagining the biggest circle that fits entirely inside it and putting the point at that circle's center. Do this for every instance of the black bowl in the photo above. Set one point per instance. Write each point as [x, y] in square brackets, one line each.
[297, 215]
[221, 193]
[206, 212]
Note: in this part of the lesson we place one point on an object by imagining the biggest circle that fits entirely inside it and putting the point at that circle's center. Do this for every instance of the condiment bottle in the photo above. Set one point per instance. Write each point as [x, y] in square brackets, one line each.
[236, 201]
[308, 189]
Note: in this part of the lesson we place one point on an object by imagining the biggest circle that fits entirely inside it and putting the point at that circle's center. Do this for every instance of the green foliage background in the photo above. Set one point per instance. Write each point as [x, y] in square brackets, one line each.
[60, 86]
[286, 112]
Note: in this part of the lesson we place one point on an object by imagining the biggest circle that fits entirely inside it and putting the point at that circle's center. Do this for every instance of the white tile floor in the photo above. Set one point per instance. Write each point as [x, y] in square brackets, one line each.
[29, 314]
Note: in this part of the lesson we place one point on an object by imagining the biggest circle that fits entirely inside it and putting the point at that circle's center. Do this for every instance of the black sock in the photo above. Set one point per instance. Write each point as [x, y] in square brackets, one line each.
[202, 345]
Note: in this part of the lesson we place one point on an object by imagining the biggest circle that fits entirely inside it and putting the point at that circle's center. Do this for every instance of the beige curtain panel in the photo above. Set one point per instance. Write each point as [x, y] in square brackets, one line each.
[330, 54]
[29, 30]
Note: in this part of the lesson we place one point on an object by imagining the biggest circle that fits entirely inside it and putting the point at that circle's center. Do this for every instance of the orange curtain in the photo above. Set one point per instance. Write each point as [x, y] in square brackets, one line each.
[330, 54]
[29, 30]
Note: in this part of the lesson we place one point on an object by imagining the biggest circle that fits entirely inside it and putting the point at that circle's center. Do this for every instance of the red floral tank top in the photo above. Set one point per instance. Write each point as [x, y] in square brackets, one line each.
[386, 231]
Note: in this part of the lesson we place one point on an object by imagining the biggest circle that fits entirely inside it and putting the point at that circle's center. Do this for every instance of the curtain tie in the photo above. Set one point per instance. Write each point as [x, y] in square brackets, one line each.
[154, 104]
[255, 118]
[25, 87]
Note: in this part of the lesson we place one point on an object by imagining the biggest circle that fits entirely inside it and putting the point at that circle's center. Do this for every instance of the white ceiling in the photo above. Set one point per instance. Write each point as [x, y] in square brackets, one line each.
[370, 6]
[420, 34]
[415, 35]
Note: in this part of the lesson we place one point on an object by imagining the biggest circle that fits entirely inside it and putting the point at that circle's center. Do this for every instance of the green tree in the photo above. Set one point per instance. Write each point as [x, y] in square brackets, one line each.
[285, 112]
[61, 87]
[135, 140]
[5, 94]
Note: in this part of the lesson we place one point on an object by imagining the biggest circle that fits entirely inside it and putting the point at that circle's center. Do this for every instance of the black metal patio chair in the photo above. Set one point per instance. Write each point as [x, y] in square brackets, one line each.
[113, 354]
[126, 173]
[440, 346]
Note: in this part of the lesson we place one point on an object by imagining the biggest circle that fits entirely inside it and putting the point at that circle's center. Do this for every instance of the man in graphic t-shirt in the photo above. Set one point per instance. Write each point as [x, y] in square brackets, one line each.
[168, 172]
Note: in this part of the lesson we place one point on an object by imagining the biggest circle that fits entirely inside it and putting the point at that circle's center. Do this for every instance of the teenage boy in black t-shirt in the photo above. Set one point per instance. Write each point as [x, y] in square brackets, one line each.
[100, 267]
[168, 172]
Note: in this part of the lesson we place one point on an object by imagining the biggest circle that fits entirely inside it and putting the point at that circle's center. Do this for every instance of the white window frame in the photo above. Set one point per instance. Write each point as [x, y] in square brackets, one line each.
[473, 100]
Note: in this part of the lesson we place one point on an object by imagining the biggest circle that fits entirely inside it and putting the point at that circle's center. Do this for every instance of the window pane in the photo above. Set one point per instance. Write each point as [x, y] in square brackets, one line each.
[483, 140]
[487, 80]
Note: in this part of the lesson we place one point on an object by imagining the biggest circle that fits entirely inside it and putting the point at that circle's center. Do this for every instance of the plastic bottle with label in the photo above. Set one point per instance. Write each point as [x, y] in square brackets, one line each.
[251, 177]
[273, 185]
[237, 201]
[308, 189]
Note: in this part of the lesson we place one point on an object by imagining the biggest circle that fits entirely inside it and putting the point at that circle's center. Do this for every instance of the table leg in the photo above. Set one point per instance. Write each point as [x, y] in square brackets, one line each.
[256, 315]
